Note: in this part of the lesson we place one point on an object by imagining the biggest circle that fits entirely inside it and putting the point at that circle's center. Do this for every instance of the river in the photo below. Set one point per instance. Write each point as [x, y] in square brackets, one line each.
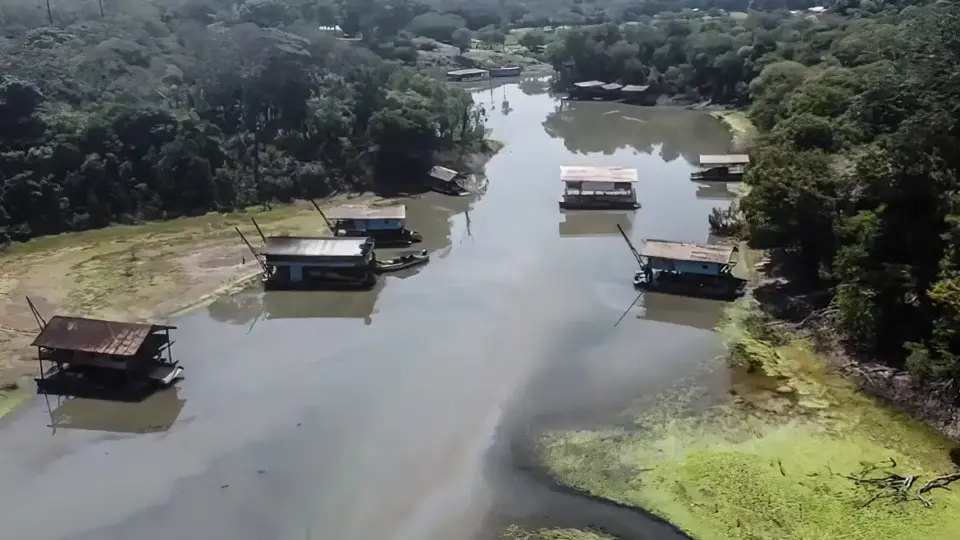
[357, 416]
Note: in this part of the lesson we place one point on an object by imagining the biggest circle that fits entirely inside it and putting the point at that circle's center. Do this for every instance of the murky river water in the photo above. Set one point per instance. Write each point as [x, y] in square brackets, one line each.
[360, 416]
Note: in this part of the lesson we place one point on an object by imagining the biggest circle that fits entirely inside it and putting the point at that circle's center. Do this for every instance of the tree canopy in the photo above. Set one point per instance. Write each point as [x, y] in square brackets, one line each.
[155, 111]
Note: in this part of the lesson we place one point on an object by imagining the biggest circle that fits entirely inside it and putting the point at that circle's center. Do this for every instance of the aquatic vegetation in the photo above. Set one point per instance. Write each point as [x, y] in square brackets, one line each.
[518, 533]
[778, 457]
[740, 126]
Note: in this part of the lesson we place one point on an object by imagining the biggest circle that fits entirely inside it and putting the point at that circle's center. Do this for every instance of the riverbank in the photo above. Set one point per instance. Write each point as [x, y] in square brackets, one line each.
[791, 448]
[140, 272]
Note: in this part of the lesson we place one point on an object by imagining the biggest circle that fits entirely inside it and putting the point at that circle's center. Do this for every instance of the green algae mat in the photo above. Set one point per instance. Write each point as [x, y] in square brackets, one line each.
[792, 452]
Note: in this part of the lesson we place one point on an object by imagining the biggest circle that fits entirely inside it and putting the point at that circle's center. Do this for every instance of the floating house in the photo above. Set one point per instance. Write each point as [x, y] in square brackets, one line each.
[723, 168]
[512, 71]
[578, 223]
[688, 269]
[472, 74]
[587, 90]
[446, 181]
[598, 188]
[639, 95]
[292, 262]
[385, 224]
[104, 359]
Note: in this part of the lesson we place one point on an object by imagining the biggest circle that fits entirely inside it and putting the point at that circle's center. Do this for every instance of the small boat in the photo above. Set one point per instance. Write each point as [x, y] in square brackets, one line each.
[405, 260]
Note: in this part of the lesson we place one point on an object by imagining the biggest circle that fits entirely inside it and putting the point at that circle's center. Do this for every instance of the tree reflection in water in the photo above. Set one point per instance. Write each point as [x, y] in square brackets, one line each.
[598, 127]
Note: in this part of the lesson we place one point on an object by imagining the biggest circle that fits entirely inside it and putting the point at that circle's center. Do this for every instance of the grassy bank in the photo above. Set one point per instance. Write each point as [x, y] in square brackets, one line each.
[740, 126]
[140, 272]
[518, 533]
[775, 458]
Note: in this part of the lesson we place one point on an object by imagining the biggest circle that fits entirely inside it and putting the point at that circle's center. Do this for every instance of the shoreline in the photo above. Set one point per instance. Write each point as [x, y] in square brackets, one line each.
[153, 271]
[787, 437]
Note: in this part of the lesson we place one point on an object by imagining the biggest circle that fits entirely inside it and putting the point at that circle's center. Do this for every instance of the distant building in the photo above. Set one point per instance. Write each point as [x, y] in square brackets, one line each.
[334, 30]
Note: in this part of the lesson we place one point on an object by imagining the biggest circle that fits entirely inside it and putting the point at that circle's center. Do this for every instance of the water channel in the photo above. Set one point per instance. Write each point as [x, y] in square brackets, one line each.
[383, 415]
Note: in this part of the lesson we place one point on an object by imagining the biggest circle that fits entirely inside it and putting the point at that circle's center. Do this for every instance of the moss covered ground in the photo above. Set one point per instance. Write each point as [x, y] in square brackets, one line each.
[519, 533]
[774, 458]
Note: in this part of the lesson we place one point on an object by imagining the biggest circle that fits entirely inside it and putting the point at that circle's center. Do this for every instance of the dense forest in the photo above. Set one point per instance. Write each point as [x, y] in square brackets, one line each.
[854, 183]
[154, 111]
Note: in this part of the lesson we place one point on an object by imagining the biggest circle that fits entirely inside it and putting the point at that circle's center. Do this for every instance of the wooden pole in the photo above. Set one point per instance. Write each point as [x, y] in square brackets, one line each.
[325, 220]
[41, 322]
[262, 237]
[255, 255]
[49, 13]
[630, 244]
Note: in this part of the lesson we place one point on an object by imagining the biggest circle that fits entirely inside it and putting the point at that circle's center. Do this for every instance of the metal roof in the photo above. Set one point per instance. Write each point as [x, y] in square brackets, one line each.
[612, 86]
[589, 84]
[95, 336]
[727, 159]
[357, 211]
[279, 246]
[635, 88]
[472, 71]
[679, 251]
[570, 173]
[443, 173]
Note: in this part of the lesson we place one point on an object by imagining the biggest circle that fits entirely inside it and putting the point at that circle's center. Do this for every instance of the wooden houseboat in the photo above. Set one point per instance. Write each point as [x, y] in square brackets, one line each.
[598, 188]
[343, 263]
[385, 224]
[446, 181]
[464, 75]
[103, 359]
[634, 94]
[688, 269]
[512, 71]
[594, 223]
[586, 90]
[725, 168]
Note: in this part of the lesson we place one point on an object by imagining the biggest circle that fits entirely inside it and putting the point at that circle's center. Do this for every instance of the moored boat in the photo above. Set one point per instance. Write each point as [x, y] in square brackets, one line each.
[405, 260]
[511, 71]
[386, 225]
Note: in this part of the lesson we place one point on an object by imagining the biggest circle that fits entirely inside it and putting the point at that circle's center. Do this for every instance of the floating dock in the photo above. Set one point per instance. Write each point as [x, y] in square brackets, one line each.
[463, 75]
[598, 188]
[688, 269]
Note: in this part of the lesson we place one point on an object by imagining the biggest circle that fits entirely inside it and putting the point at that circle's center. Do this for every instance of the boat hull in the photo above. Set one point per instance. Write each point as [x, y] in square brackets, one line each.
[598, 204]
[385, 239]
[403, 262]
[716, 289]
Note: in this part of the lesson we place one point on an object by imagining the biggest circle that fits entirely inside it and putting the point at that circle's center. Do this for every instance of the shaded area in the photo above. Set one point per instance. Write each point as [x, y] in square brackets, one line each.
[155, 413]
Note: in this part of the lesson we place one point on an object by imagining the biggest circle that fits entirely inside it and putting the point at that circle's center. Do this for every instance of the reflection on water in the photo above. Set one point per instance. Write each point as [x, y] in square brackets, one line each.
[717, 191]
[588, 127]
[594, 223]
[156, 413]
[692, 312]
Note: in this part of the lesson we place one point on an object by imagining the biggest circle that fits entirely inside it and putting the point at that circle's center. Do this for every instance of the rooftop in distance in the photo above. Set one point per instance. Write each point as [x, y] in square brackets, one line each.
[680, 251]
[299, 246]
[727, 159]
[443, 173]
[470, 71]
[569, 173]
[95, 336]
[357, 211]
[589, 84]
[635, 88]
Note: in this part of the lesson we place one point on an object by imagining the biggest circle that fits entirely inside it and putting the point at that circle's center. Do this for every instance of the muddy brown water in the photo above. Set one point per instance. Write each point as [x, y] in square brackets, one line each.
[392, 414]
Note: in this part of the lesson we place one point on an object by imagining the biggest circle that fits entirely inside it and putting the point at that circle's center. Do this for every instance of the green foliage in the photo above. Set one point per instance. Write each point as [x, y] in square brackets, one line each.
[150, 114]
[855, 183]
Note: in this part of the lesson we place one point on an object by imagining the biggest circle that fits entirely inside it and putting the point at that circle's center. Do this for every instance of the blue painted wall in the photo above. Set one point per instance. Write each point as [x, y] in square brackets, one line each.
[686, 267]
[379, 224]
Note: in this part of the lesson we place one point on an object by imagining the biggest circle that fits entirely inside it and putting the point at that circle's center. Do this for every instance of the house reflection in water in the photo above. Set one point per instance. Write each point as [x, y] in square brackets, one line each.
[154, 414]
[594, 223]
[323, 304]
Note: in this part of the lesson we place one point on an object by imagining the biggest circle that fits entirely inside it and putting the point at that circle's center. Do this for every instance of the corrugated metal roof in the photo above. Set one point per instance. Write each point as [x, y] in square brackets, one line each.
[570, 173]
[727, 159]
[635, 88]
[95, 335]
[612, 86]
[589, 84]
[443, 173]
[279, 246]
[679, 251]
[358, 211]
